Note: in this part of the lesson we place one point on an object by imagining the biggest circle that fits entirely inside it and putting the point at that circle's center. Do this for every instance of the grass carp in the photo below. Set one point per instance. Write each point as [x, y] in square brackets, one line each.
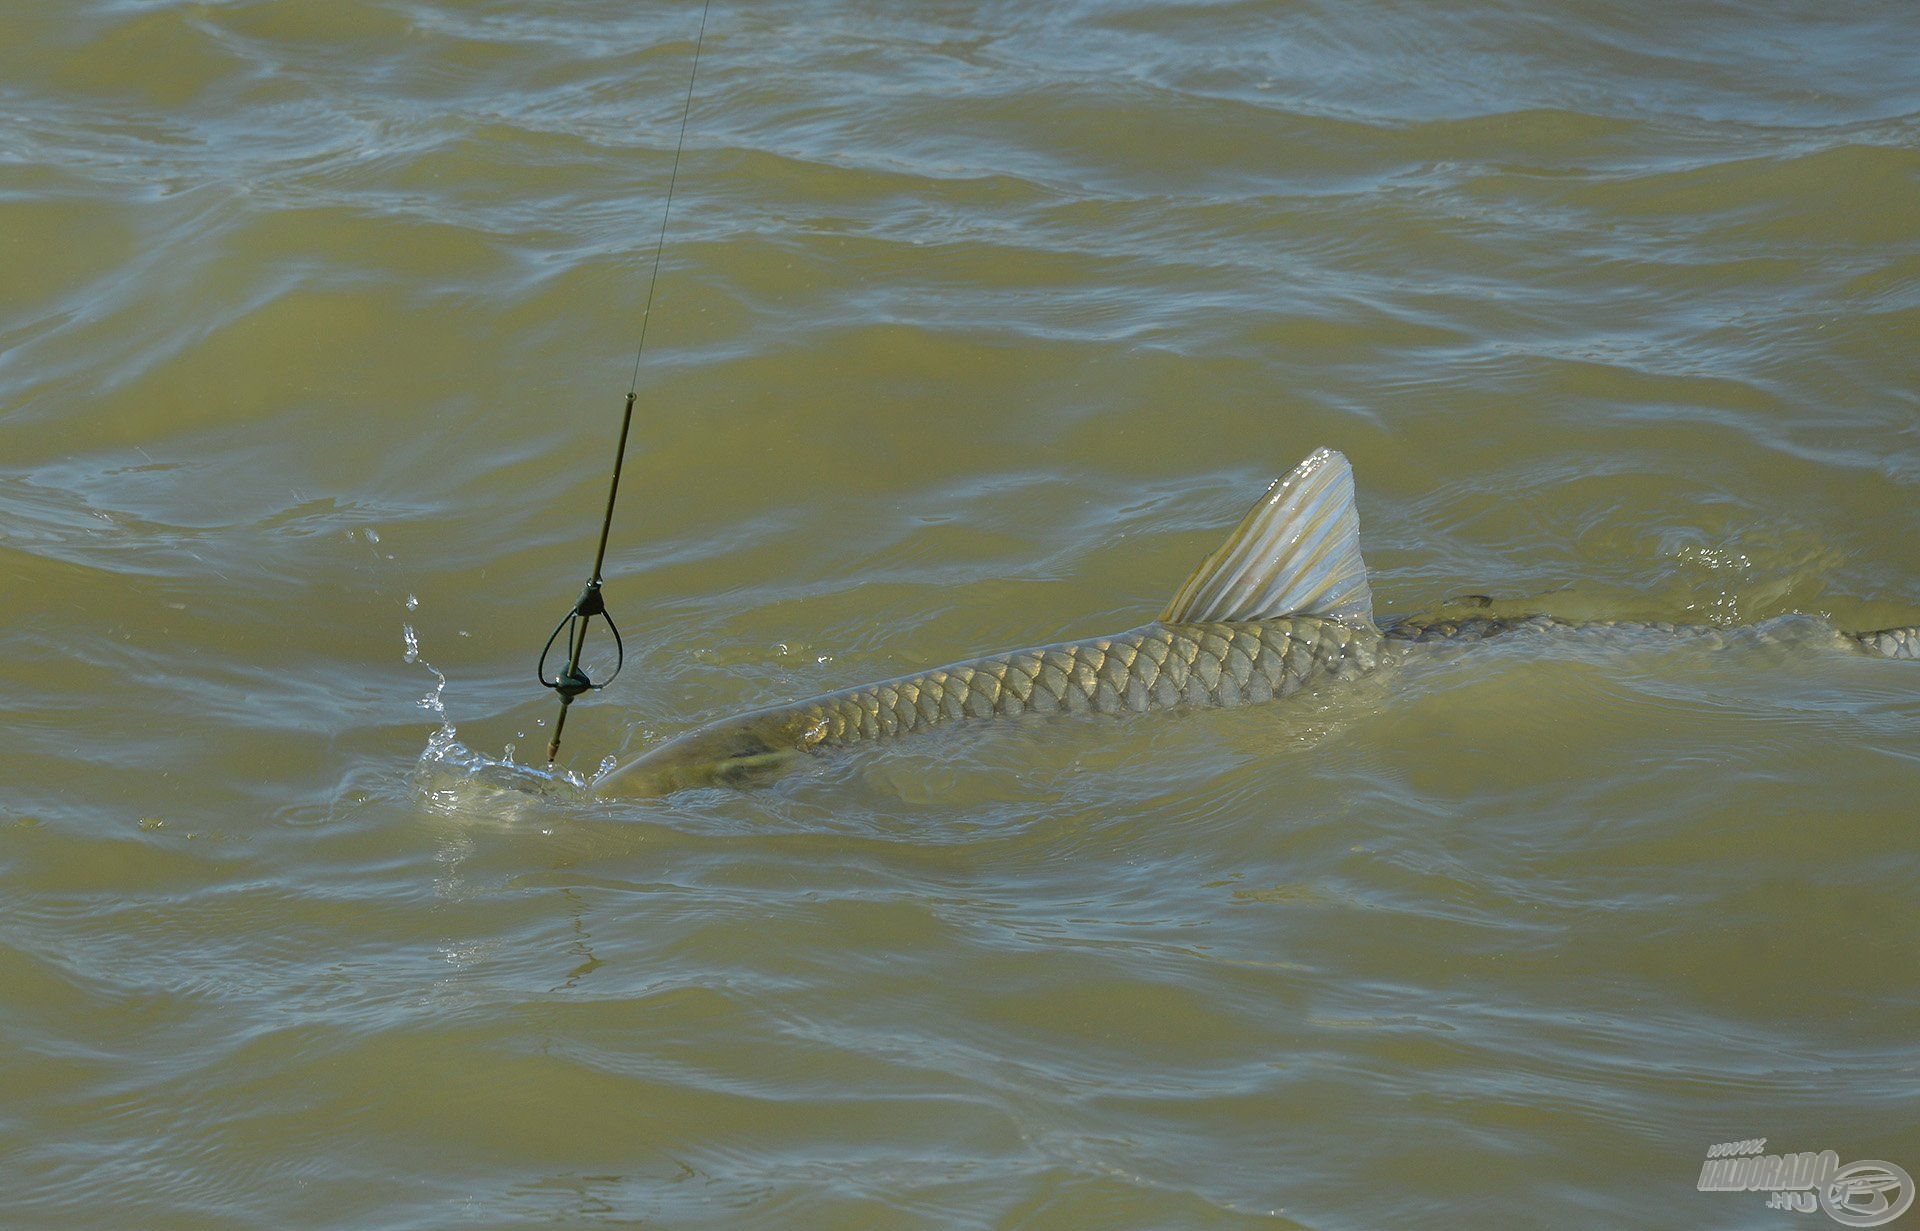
[1283, 603]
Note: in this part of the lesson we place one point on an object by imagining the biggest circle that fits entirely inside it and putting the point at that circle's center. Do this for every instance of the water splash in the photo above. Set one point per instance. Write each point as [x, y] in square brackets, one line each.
[435, 701]
[457, 780]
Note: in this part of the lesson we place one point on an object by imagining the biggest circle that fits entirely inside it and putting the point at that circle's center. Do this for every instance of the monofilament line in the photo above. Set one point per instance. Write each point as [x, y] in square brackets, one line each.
[571, 682]
[673, 178]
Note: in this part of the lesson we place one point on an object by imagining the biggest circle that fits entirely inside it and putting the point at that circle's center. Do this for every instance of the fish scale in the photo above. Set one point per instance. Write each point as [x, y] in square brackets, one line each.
[1154, 667]
[1284, 602]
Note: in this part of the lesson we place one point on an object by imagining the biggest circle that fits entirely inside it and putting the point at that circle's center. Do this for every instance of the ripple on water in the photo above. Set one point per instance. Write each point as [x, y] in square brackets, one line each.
[976, 327]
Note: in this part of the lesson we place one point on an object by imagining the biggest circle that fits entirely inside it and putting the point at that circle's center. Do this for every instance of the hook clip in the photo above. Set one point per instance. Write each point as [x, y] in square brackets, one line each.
[572, 681]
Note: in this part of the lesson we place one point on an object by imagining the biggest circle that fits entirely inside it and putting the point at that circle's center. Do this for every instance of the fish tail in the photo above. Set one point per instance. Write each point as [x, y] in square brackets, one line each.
[1890, 642]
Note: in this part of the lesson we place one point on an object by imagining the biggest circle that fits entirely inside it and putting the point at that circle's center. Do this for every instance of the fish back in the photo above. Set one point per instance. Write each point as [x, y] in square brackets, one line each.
[1154, 667]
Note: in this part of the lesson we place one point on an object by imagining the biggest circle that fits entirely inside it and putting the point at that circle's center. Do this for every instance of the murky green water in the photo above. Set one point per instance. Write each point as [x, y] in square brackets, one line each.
[979, 324]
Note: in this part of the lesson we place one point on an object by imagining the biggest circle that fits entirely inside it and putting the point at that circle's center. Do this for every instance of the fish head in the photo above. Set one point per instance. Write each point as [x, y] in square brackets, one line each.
[734, 753]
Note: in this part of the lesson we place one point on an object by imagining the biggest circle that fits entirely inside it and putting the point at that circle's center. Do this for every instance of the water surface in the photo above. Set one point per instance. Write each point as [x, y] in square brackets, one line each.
[978, 325]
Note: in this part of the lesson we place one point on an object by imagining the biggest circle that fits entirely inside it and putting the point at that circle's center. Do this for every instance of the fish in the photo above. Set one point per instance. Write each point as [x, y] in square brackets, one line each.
[1283, 604]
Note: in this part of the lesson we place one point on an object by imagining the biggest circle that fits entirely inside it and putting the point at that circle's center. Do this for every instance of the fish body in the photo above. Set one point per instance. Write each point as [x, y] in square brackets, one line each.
[1154, 667]
[1282, 604]
[1903, 643]
[1889, 642]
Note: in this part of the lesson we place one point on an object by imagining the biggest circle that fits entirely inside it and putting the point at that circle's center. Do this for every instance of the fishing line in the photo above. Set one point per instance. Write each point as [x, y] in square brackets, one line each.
[572, 681]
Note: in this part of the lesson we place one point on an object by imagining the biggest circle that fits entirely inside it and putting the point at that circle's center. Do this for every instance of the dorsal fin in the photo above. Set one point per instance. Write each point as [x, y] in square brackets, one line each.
[1297, 553]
